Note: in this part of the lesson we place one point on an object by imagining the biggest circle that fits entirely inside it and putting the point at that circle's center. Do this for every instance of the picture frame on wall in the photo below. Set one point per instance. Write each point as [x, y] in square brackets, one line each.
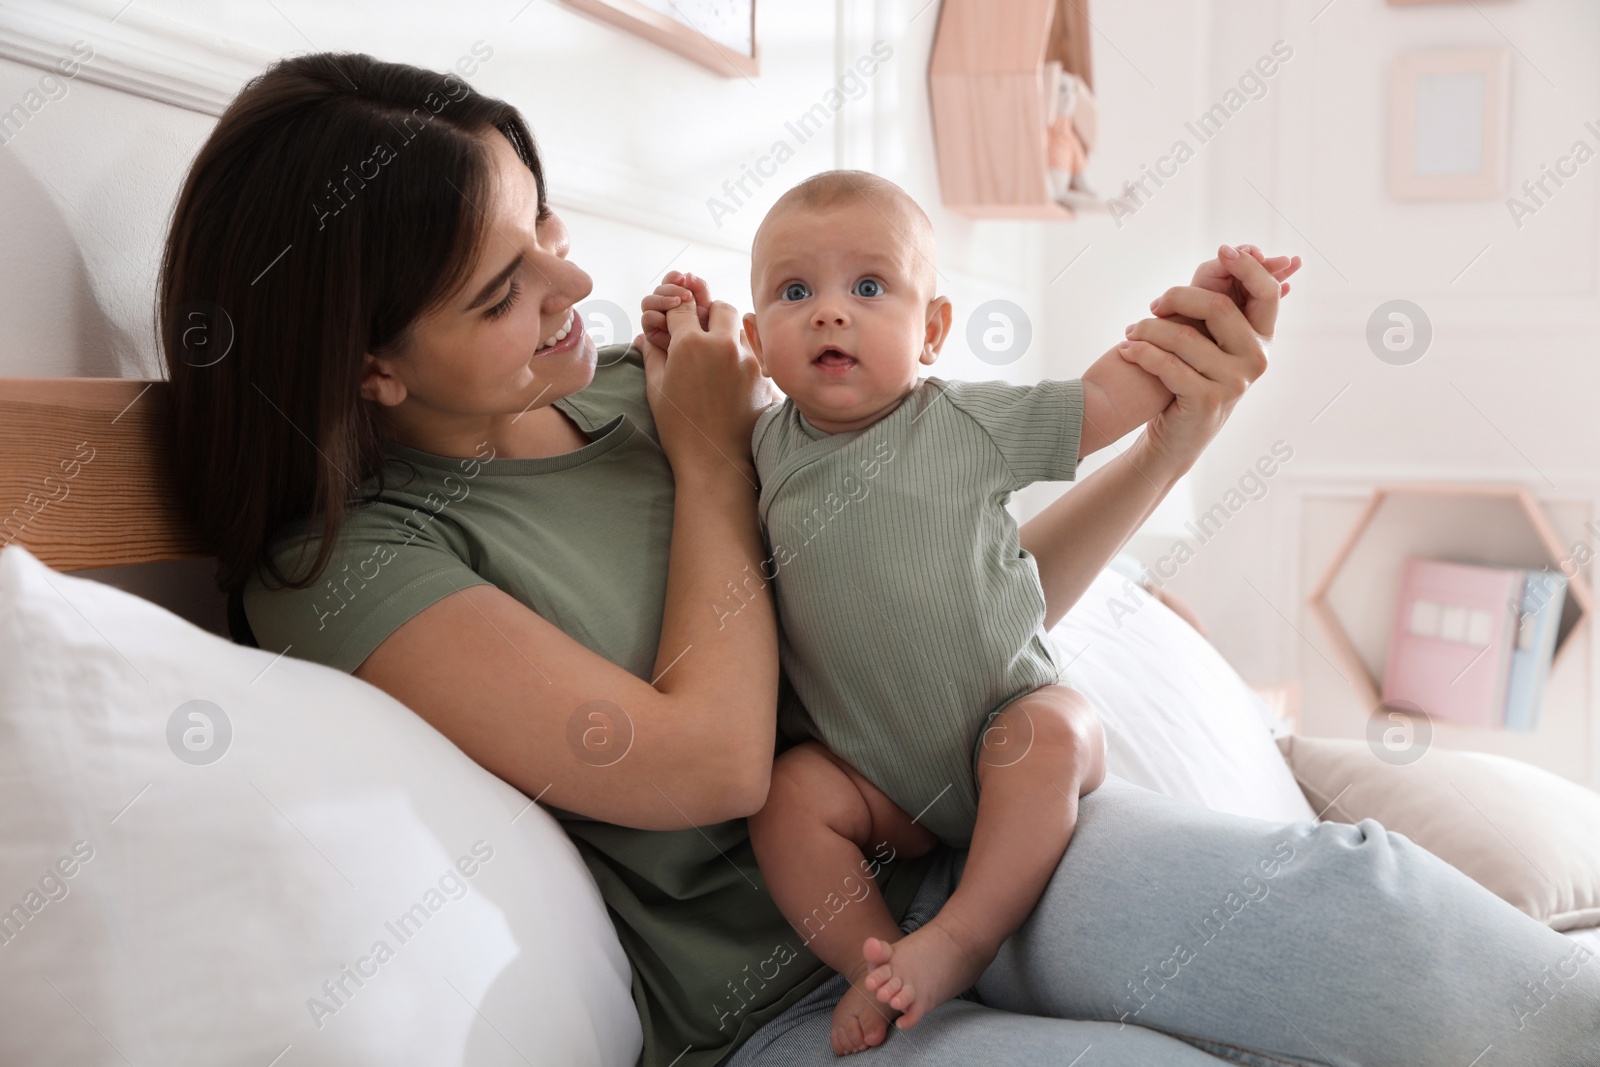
[720, 35]
[1448, 116]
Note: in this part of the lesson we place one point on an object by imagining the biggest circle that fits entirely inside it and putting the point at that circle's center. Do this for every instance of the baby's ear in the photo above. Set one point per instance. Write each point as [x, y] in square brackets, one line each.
[940, 314]
[753, 337]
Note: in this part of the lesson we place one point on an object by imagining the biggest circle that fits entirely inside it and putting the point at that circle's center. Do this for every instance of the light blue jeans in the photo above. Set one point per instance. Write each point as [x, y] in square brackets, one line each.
[1171, 935]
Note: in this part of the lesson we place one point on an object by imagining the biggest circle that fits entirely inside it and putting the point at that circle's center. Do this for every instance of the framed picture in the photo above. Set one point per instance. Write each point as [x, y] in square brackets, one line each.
[720, 35]
[1447, 124]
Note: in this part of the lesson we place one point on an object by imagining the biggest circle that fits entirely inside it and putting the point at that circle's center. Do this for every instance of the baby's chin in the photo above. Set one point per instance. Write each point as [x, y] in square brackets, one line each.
[840, 408]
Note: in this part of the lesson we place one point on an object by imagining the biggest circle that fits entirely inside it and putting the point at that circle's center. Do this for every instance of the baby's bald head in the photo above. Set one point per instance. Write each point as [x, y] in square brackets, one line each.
[845, 305]
[834, 189]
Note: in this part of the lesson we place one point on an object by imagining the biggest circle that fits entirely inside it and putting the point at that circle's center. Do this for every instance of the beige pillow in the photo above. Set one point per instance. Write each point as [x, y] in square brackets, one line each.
[1530, 837]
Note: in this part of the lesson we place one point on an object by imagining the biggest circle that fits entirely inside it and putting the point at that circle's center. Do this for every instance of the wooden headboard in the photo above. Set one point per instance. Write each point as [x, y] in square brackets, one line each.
[84, 473]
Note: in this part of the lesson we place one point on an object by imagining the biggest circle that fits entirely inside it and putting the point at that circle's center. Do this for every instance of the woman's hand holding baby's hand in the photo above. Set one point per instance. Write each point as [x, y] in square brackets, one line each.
[1215, 275]
[675, 288]
[1207, 366]
[705, 388]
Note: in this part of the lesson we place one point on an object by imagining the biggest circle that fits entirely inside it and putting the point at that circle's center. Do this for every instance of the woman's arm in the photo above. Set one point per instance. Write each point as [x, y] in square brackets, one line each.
[1075, 537]
[694, 744]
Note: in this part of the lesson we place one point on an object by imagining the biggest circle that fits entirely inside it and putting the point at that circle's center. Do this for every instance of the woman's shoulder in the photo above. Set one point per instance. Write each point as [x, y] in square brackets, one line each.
[403, 548]
[393, 556]
[618, 388]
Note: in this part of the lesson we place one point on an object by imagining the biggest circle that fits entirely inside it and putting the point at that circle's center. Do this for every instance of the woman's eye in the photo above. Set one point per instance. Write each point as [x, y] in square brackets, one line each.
[869, 287]
[795, 291]
[504, 305]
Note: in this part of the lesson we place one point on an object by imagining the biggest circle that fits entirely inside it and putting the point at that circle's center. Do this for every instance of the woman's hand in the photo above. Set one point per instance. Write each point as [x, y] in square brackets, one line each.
[1119, 397]
[705, 390]
[1207, 371]
[1235, 298]
[1215, 275]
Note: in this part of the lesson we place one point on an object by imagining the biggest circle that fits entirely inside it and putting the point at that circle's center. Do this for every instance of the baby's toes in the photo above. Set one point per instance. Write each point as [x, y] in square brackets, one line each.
[874, 1028]
[889, 986]
[912, 1016]
[847, 1036]
[905, 999]
[877, 977]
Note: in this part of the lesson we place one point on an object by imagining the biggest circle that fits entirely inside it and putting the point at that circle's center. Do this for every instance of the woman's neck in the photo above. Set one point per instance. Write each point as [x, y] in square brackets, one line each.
[533, 434]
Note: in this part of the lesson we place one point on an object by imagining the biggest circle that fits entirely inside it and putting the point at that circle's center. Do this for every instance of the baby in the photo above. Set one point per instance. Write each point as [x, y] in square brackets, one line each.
[911, 620]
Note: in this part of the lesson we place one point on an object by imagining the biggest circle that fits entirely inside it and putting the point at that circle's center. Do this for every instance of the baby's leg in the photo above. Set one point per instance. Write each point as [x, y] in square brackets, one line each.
[809, 838]
[1039, 755]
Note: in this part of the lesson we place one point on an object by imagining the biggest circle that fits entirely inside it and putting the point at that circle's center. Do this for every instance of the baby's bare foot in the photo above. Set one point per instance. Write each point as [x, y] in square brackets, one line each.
[859, 1022]
[922, 970]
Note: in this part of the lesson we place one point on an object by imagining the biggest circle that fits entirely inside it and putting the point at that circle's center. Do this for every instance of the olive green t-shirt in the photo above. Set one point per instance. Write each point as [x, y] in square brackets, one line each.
[910, 612]
[582, 539]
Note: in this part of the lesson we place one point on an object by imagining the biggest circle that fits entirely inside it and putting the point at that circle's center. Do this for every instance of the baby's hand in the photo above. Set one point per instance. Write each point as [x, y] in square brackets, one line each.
[675, 288]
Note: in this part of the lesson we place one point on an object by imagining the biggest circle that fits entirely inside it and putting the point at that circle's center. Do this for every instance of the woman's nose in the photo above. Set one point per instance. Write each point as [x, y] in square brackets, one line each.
[567, 282]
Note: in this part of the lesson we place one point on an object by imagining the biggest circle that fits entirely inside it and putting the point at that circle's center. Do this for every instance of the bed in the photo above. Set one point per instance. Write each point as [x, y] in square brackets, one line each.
[214, 854]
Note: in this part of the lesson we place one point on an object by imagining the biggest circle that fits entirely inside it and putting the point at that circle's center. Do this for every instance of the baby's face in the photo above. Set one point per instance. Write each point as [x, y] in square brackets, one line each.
[845, 311]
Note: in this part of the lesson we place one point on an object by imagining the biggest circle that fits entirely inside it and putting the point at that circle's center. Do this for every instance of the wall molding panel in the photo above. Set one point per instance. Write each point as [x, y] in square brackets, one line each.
[134, 51]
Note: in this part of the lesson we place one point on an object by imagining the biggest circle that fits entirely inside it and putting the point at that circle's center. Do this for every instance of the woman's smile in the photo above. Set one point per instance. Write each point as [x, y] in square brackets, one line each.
[571, 345]
[566, 338]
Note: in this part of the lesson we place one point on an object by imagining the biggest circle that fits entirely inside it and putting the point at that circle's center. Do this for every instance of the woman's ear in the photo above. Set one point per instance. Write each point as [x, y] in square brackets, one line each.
[753, 336]
[378, 383]
[940, 314]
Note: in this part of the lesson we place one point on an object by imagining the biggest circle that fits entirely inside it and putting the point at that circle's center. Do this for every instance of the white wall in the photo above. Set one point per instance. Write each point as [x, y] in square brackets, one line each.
[1506, 392]
[638, 141]
[86, 186]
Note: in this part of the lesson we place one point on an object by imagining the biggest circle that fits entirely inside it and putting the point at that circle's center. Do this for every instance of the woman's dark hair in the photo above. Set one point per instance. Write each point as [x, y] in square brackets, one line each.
[338, 199]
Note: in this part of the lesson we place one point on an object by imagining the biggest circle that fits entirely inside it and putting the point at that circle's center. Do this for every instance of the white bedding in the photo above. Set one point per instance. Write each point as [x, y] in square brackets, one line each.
[1178, 718]
[1589, 938]
[222, 889]
[211, 855]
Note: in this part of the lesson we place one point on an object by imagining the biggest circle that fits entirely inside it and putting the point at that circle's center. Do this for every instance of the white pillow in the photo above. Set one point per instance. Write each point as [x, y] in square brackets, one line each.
[1178, 719]
[1530, 837]
[181, 911]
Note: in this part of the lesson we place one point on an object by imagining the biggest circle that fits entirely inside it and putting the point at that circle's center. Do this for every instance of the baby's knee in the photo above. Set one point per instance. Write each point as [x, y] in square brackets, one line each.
[809, 785]
[1055, 721]
[793, 773]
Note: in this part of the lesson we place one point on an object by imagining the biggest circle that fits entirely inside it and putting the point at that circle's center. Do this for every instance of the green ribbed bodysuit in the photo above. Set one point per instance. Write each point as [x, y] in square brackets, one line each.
[910, 614]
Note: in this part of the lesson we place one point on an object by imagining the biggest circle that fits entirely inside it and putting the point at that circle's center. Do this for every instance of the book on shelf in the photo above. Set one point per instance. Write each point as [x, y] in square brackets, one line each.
[1543, 595]
[1472, 643]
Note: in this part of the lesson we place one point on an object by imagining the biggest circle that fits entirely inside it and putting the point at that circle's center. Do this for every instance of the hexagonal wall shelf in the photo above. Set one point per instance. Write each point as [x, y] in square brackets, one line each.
[1499, 525]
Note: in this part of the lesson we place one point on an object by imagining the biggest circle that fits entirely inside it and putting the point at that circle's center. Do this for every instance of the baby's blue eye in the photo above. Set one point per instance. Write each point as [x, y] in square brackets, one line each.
[869, 287]
[795, 291]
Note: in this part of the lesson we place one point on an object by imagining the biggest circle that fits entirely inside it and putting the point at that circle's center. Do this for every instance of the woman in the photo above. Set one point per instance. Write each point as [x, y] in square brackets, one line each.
[415, 466]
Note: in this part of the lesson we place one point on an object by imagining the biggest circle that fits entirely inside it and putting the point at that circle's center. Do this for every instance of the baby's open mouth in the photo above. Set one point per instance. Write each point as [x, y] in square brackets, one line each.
[834, 359]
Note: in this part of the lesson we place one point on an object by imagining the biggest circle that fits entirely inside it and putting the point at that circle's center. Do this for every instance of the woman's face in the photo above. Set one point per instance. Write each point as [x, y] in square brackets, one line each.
[510, 339]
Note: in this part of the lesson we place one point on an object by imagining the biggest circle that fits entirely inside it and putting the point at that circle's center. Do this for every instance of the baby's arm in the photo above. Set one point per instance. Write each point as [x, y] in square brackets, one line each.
[1119, 397]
